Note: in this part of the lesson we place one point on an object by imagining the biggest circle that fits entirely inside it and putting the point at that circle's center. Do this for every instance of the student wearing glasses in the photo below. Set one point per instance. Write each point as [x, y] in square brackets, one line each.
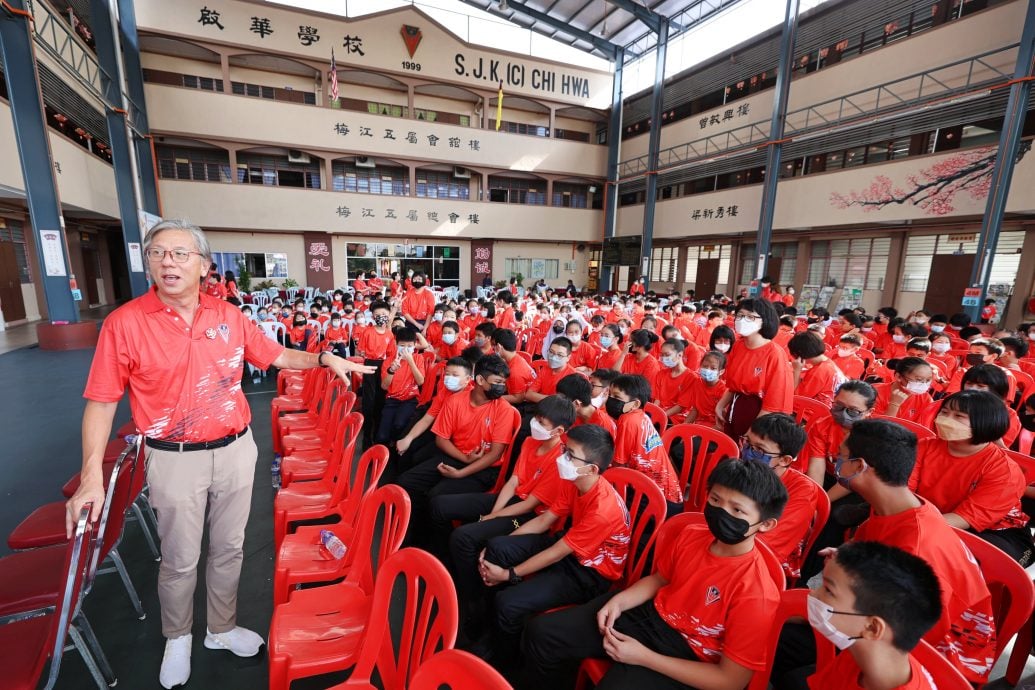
[758, 376]
[853, 402]
[906, 396]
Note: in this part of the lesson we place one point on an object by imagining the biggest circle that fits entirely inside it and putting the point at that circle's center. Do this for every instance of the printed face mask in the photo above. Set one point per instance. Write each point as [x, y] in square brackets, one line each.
[381, 320]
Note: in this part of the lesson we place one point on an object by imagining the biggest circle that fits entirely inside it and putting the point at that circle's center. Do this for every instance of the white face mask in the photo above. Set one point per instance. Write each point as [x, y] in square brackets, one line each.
[539, 432]
[722, 347]
[746, 328]
[844, 352]
[599, 401]
[566, 469]
[669, 362]
[941, 347]
[819, 618]
[898, 338]
[918, 387]
[937, 329]
[437, 316]
[449, 338]
[452, 383]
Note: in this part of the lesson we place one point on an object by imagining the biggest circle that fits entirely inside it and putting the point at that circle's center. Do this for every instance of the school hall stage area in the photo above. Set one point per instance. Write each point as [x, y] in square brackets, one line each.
[40, 415]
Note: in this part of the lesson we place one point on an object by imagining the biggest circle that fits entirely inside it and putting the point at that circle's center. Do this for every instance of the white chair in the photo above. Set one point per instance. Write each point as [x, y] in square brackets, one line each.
[310, 293]
[260, 299]
[273, 292]
[292, 293]
[274, 330]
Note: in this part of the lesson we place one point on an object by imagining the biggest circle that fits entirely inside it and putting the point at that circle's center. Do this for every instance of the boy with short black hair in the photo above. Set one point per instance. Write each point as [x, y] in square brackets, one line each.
[876, 603]
[375, 344]
[638, 443]
[504, 341]
[401, 382]
[417, 445]
[578, 389]
[696, 620]
[483, 336]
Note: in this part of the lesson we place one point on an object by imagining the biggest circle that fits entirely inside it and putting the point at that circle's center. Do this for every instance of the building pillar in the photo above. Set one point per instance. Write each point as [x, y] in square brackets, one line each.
[413, 179]
[553, 122]
[614, 145]
[224, 64]
[681, 260]
[893, 275]
[801, 267]
[328, 174]
[653, 147]
[1024, 283]
[409, 102]
[232, 157]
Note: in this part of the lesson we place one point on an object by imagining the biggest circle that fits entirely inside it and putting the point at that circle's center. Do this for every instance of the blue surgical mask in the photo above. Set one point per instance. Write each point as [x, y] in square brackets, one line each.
[669, 362]
[555, 361]
[449, 338]
[452, 383]
[606, 341]
[754, 455]
[846, 482]
[709, 375]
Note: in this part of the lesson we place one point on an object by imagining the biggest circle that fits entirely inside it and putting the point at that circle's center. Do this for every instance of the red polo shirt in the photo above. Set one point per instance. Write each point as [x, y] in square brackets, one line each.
[184, 381]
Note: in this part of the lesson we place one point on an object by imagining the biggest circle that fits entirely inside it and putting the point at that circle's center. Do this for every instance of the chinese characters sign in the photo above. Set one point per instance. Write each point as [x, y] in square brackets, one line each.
[715, 213]
[319, 260]
[727, 115]
[481, 261]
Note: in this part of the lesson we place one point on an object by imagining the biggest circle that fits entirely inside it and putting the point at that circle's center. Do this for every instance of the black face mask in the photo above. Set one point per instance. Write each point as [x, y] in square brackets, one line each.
[298, 324]
[724, 527]
[418, 284]
[974, 360]
[615, 408]
[558, 329]
[496, 391]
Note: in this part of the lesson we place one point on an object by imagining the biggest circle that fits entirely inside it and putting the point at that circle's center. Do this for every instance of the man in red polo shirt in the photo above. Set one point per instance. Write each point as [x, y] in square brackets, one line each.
[180, 353]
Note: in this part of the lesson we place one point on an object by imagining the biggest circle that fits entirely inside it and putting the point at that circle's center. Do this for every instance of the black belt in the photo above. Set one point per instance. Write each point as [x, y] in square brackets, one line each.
[175, 447]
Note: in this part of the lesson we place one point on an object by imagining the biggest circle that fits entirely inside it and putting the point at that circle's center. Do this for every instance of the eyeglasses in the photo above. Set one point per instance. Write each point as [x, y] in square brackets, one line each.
[180, 256]
[566, 449]
[745, 443]
[748, 317]
[849, 411]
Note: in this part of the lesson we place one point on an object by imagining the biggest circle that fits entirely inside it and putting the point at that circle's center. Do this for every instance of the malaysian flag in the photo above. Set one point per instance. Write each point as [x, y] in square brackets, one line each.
[334, 81]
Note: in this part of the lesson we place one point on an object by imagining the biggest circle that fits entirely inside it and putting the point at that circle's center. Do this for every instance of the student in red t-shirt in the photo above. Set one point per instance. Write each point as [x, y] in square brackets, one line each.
[570, 567]
[417, 445]
[483, 337]
[583, 355]
[531, 490]
[696, 620]
[758, 377]
[815, 375]
[433, 332]
[706, 390]
[301, 333]
[847, 358]
[636, 357]
[419, 304]
[214, 288]
[578, 389]
[375, 344]
[504, 342]
[992, 379]
[876, 602]
[775, 440]
[853, 403]
[545, 382]
[672, 384]
[969, 478]
[336, 337]
[907, 395]
[611, 349]
[401, 381]
[639, 445]
[451, 344]
[504, 310]
[989, 311]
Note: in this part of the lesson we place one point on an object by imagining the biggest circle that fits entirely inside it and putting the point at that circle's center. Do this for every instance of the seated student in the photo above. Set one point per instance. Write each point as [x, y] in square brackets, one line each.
[1014, 351]
[847, 357]
[775, 440]
[545, 383]
[336, 337]
[639, 445]
[470, 320]
[433, 332]
[531, 490]
[906, 396]
[875, 462]
[471, 434]
[583, 355]
[722, 340]
[875, 603]
[815, 375]
[600, 383]
[694, 622]
[704, 335]
[417, 444]
[982, 351]
[504, 342]
[451, 344]
[578, 389]
[671, 385]
[969, 478]
[611, 349]
[785, 332]
[596, 326]
[692, 352]
[570, 567]
[992, 379]
[636, 358]
[401, 381]
[301, 333]
[483, 337]
[854, 402]
[706, 390]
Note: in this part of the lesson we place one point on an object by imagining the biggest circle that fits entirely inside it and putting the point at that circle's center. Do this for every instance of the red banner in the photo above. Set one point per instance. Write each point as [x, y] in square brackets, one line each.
[319, 261]
[481, 261]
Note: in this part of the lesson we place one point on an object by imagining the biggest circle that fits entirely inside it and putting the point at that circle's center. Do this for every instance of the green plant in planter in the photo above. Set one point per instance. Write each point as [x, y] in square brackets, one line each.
[244, 277]
[289, 283]
[265, 285]
[500, 284]
[520, 279]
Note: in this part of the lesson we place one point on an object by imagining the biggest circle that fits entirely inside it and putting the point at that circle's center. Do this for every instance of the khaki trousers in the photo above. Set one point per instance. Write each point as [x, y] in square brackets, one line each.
[182, 485]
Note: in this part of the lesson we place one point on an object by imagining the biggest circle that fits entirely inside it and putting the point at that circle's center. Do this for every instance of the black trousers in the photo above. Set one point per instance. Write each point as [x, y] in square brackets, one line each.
[1015, 541]
[795, 657]
[373, 397]
[395, 417]
[553, 645]
[423, 482]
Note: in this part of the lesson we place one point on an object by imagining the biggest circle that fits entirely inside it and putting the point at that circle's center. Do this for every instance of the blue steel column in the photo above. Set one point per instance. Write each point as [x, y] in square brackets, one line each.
[1002, 173]
[775, 143]
[614, 147]
[120, 136]
[127, 21]
[654, 144]
[30, 133]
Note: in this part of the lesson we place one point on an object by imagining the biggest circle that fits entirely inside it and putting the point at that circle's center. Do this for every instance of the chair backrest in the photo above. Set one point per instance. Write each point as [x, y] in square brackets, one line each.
[807, 409]
[125, 484]
[383, 518]
[793, 604]
[1013, 594]
[349, 475]
[819, 520]
[1025, 386]
[457, 670]
[1026, 442]
[272, 329]
[77, 557]
[413, 616]
[1027, 464]
[676, 523]
[703, 448]
[528, 358]
[260, 299]
[920, 430]
[657, 416]
[945, 675]
[505, 460]
[539, 365]
[647, 506]
[427, 391]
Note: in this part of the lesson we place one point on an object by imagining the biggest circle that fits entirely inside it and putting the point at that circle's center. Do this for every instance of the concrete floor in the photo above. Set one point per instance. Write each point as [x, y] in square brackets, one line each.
[40, 418]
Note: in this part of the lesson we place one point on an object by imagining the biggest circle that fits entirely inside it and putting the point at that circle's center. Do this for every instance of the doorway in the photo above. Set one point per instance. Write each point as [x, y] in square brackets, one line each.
[949, 277]
[11, 301]
[91, 272]
[707, 278]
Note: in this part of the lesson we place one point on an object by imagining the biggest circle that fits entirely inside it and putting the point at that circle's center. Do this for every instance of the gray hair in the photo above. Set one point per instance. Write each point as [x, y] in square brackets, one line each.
[196, 233]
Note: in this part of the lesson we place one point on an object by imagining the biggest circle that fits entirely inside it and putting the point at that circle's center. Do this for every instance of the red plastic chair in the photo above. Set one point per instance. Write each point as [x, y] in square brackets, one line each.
[793, 604]
[1025, 386]
[658, 416]
[528, 358]
[819, 520]
[807, 409]
[413, 616]
[296, 402]
[29, 639]
[1013, 597]
[427, 391]
[920, 430]
[327, 498]
[945, 675]
[313, 464]
[316, 432]
[647, 506]
[713, 446]
[1027, 464]
[454, 669]
[302, 559]
[506, 466]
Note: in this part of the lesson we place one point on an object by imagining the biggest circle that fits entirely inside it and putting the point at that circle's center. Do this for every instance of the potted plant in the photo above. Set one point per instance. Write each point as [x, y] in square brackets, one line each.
[244, 277]
[289, 283]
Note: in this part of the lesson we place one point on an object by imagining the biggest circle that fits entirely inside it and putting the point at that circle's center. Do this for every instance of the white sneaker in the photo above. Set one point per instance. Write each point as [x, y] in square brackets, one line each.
[240, 641]
[176, 662]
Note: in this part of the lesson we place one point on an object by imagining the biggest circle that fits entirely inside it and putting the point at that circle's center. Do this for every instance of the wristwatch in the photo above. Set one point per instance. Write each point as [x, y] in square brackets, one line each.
[514, 577]
[319, 359]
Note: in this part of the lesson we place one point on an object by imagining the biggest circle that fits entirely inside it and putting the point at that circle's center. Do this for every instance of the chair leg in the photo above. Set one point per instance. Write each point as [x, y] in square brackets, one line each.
[146, 529]
[145, 501]
[83, 626]
[130, 589]
[1020, 653]
[91, 664]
